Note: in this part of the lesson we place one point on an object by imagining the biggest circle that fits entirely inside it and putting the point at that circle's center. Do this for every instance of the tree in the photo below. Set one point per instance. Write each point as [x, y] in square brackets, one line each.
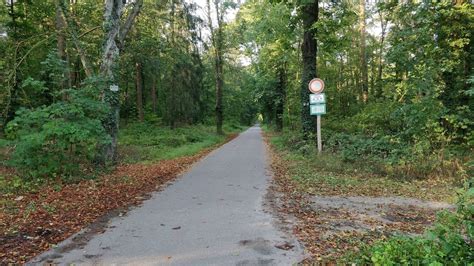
[139, 85]
[270, 32]
[309, 11]
[217, 40]
[110, 56]
[363, 53]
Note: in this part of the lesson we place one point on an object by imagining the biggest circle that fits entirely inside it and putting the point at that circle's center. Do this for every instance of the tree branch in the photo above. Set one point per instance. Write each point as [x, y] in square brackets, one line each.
[137, 6]
[71, 28]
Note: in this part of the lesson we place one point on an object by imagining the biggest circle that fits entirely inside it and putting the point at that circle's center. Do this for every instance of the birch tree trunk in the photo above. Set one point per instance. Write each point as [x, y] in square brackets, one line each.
[110, 94]
[113, 37]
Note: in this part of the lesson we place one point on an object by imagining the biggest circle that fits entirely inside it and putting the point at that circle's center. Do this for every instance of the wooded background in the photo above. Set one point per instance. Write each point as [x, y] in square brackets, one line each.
[398, 75]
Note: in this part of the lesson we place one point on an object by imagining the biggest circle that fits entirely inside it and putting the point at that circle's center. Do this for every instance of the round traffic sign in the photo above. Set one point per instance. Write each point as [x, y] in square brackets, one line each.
[316, 85]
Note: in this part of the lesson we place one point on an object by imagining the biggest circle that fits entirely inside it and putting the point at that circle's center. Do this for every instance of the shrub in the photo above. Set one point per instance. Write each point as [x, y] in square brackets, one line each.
[449, 242]
[59, 139]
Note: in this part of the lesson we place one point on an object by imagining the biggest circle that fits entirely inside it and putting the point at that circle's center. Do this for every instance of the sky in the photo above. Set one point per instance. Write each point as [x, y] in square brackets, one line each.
[230, 15]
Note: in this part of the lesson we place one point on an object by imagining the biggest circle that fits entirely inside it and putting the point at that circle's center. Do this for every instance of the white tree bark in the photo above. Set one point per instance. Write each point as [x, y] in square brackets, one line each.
[114, 36]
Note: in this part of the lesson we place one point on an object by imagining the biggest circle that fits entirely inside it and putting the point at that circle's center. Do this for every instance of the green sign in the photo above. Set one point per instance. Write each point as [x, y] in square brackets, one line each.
[317, 109]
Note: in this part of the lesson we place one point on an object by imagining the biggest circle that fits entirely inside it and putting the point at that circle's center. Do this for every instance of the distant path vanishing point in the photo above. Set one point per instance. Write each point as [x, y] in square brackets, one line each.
[212, 215]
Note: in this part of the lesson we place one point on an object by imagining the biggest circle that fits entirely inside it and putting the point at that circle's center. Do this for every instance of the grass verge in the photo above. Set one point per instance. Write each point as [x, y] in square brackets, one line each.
[147, 143]
[321, 193]
[327, 174]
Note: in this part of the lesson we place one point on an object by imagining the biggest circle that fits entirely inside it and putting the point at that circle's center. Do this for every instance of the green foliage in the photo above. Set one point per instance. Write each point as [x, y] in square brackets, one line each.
[449, 242]
[269, 27]
[61, 139]
[16, 185]
[370, 149]
[418, 113]
[54, 70]
[330, 173]
[417, 120]
[151, 142]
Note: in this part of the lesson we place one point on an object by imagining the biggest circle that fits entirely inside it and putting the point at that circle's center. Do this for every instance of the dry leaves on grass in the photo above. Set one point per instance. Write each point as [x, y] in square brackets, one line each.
[39, 220]
[330, 232]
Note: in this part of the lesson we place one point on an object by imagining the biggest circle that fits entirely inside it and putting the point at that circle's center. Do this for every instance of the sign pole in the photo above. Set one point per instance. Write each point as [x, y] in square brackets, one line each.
[317, 107]
[318, 128]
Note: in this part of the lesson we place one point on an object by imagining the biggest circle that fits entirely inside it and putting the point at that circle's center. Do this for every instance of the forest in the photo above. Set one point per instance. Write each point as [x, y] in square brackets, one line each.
[87, 87]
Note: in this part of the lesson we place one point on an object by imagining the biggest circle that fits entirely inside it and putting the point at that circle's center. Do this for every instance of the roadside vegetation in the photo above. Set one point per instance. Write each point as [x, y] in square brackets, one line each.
[39, 211]
[329, 174]
[348, 208]
[448, 242]
[98, 110]
[147, 142]
[398, 133]
[138, 143]
[92, 102]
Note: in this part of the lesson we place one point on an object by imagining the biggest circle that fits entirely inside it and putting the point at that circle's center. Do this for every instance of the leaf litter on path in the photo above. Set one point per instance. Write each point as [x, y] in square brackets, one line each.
[44, 218]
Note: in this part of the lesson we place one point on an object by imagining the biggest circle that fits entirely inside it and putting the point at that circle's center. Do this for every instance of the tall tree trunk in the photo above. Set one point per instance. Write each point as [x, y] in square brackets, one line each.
[217, 43]
[153, 95]
[172, 106]
[139, 87]
[72, 28]
[378, 91]
[61, 46]
[110, 55]
[309, 14]
[219, 67]
[13, 82]
[363, 53]
[219, 85]
[281, 95]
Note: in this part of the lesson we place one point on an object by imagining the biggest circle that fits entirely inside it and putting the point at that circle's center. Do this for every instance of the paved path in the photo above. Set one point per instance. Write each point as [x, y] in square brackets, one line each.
[212, 215]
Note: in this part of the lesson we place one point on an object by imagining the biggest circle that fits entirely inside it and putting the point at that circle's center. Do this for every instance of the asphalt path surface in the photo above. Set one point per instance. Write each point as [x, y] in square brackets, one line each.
[215, 214]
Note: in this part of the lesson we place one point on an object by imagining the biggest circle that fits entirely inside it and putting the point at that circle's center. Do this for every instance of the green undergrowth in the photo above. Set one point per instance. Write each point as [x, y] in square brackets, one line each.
[138, 143]
[146, 142]
[329, 174]
[450, 241]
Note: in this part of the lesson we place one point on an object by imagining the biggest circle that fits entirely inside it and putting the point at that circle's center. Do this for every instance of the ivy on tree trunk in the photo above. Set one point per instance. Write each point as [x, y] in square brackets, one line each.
[114, 36]
[309, 15]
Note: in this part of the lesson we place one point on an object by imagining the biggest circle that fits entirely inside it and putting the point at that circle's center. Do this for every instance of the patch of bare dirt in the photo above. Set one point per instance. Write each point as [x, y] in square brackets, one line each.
[331, 226]
[383, 211]
[362, 214]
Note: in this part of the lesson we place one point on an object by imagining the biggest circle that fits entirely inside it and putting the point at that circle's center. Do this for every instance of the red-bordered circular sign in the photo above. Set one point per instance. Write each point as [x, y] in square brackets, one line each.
[316, 85]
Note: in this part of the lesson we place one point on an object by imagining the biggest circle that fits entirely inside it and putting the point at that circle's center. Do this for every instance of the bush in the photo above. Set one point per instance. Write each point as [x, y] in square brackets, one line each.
[449, 242]
[59, 139]
[380, 154]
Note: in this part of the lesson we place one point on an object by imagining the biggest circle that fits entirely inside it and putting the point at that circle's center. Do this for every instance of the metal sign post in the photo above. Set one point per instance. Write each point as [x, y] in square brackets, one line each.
[318, 128]
[317, 106]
